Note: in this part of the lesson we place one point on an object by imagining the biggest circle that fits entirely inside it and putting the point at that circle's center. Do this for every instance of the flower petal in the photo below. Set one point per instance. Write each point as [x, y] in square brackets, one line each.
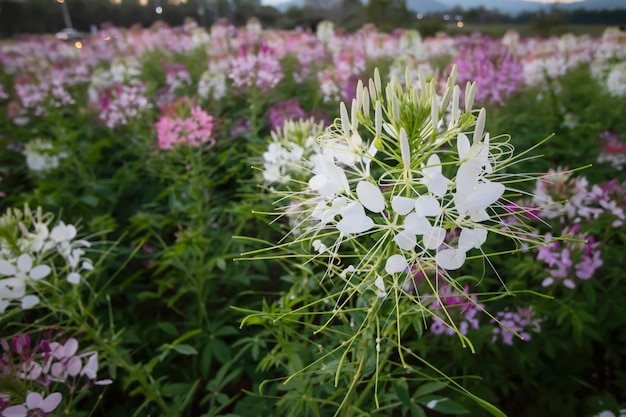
[33, 400]
[73, 278]
[434, 238]
[15, 411]
[51, 402]
[405, 149]
[370, 196]
[90, 370]
[450, 259]
[402, 205]
[484, 195]
[380, 287]
[395, 264]
[29, 301]
[472, 238]
[73, 366]
[70, 347]
[39, 272]
[6, 267]
[354, 219]
[417, 225]
[463, 145]
[104, 382]
[405, 240]
[427, 205]
[24, 263]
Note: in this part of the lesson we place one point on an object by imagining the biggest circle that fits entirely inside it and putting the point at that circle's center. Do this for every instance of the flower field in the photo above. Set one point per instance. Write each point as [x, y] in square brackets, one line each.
[249, 222]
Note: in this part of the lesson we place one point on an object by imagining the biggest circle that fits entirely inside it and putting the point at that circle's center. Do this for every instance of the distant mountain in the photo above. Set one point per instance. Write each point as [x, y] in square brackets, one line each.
[426, 6]
[597, 5]
[511, 7]
[514, 7]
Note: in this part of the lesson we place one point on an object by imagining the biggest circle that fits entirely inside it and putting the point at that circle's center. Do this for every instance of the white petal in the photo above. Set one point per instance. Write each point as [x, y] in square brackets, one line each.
[433, 164]
[380, 287]
[472, 238]
[402, 205]
[434, 238]
[24, 262]
[370, 196]
[39, 272]
[345, 120]
[417, 225]
[484, 195]
[405, 149]
[478, 215]
[463, 145]
[438, 184]
[467, 176]
[354, 219]
[427, 205]
[396, 263]
[405, 240]
[323, 185]
[29, 301]
[62, 232]
[450, 259]
[73, 278]
[6, 267]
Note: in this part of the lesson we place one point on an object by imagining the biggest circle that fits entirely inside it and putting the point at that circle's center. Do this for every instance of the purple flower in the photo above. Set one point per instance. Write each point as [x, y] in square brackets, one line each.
[577, 257]
[497, 72]
[510, 323]
[285, 110]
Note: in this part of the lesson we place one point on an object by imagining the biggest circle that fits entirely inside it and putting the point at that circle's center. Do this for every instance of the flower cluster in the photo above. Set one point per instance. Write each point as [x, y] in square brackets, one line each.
[409, 181]
[562, 195]
[262, 70]
[118, 104]
[496, 71]
[282, 111]
[183, 122]
[291, 144]
[578, 257]
[39, 366]
[522, 322]
[614, 151]
[335, 81]
[41, 156]
[27, 256]
[461, 307]
[616, 80]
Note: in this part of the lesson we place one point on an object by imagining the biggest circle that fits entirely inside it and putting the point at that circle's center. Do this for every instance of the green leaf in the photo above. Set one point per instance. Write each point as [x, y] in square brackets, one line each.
[429, 388]
[185, 349]
[221, 350]
[402, 391]
[187, 335]
[417, 411]
[167, 327]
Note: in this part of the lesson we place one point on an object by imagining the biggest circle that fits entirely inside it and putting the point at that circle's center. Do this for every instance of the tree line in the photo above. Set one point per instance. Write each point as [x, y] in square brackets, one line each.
[19, 17]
